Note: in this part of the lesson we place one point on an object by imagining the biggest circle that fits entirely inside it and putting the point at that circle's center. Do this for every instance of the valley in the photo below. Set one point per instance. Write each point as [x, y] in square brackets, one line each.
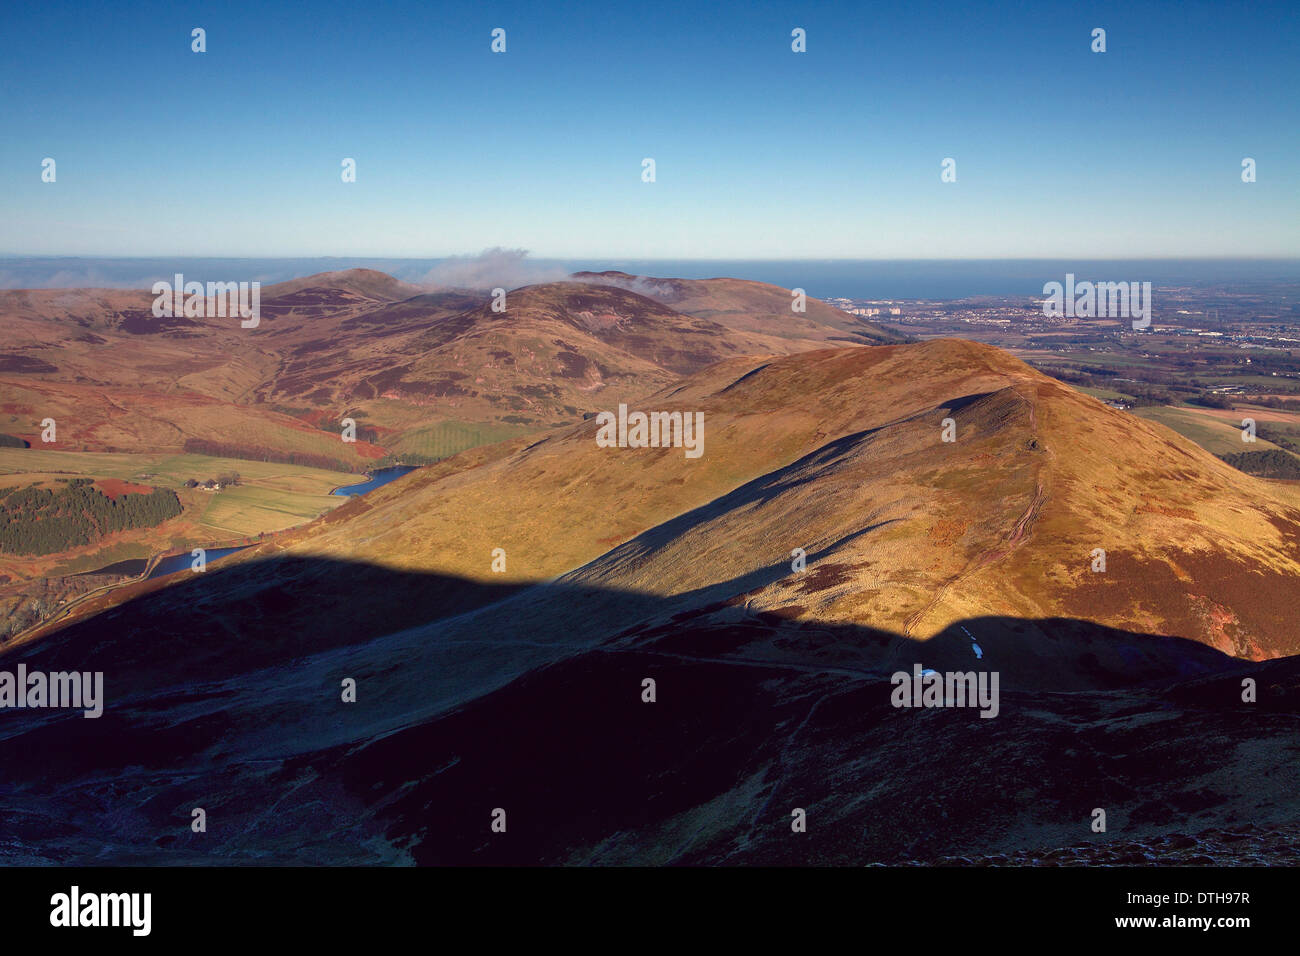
[190, 397]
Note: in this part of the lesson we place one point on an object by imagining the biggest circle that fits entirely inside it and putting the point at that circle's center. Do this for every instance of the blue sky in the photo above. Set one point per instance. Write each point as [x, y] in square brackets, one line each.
[760, 152]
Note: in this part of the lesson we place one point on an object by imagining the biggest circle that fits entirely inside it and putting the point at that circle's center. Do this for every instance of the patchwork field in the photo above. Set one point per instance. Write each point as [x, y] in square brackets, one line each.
[165, 470]
[255, 508]
[270, 497]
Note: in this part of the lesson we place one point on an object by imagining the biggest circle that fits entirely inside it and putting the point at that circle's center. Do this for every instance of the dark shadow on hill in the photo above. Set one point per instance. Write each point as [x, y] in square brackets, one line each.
[224, 692]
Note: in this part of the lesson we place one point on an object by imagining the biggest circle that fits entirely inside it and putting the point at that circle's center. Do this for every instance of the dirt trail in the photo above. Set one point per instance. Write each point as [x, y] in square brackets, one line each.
[1019, 533]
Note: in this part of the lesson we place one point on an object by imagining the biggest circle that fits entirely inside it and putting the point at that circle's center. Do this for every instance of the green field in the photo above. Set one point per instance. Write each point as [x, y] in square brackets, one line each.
[449, 438]
[270, 496]
[1104, 393]
[169, 471]
[1098, 359]
[1214, 435]
[250, 509]
[102, 557]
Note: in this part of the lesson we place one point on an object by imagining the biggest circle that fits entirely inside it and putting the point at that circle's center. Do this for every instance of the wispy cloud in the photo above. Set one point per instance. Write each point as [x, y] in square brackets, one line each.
[642, 285]
[491, 269]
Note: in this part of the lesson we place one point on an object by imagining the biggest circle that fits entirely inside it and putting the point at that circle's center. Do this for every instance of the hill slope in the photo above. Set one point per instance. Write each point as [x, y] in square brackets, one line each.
[750, 306]
[841, 453]
[524, 690]
[359, 344]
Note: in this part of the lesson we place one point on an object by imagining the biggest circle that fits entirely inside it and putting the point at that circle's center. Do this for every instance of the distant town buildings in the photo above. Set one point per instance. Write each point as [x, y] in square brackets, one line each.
[870, 311]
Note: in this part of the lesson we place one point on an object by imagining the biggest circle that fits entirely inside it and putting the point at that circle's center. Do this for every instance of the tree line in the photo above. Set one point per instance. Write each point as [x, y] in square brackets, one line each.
[1272, 463]
[36, 520]
[224, 449]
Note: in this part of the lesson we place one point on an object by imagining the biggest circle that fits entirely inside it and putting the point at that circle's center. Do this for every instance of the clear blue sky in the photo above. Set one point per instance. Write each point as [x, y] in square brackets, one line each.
[761, 152]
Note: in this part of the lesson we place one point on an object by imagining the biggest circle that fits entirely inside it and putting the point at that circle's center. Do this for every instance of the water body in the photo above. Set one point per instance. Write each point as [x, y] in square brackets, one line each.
[185, 560]
[852, 278]
[958, 278]
[376, 479]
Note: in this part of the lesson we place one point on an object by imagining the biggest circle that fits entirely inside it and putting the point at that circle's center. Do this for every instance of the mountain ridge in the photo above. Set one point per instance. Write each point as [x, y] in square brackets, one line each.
[840, 453]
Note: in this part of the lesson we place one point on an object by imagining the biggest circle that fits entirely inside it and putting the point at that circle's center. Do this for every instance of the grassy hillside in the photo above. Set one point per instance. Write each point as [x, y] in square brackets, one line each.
[840, 453]
[444, 439]
[1214, 432]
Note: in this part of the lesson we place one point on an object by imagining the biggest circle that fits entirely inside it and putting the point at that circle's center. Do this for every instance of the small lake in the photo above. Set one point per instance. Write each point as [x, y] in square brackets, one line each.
[184, 561]
[376, 479]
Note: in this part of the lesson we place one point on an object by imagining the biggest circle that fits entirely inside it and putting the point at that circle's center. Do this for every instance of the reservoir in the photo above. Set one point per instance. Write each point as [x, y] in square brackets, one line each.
[184, 561]
[376, 479]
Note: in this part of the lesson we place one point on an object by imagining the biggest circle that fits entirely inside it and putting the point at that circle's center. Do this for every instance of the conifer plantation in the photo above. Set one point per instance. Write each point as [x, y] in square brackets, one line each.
[36, 520]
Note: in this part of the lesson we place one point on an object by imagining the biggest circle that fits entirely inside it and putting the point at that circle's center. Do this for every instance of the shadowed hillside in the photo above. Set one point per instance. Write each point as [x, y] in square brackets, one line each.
[854, 512]
[224, 692]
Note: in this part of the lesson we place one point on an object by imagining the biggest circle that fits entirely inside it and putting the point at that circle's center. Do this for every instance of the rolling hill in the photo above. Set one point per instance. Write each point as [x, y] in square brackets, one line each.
[524, 689]
[840, 453]
[362, 344]
[751, 307]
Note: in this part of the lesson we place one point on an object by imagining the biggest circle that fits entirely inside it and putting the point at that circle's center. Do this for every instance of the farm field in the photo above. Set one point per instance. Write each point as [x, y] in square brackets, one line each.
[1103, 393]
[270, 497]
[165, 470]
[1260, 414]
[1218, 431]
[254, 508]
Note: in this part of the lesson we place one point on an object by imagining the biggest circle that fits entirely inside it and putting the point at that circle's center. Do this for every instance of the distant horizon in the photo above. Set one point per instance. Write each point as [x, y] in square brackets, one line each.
[14, 256]
[846, 277]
